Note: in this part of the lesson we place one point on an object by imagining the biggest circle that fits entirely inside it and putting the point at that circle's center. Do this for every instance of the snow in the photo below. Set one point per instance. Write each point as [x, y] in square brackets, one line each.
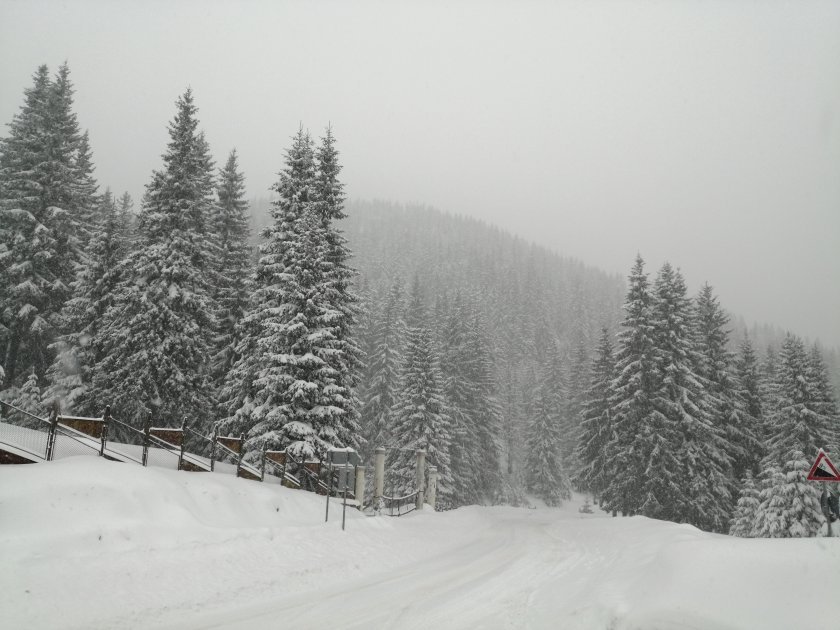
[88, 543]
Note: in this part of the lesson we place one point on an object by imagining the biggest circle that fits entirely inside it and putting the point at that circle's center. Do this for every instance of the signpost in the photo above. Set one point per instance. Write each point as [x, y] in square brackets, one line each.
[345, 460]
[824, 470]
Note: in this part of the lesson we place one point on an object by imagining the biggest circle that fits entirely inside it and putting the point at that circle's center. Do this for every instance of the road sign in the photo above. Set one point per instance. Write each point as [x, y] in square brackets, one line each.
[823, 469]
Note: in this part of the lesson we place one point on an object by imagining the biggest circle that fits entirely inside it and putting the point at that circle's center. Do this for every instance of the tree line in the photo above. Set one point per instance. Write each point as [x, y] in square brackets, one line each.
[493, 355]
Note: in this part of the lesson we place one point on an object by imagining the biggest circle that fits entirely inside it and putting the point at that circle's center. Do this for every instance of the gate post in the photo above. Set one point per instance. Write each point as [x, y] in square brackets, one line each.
[183, 442]
[106, 417]
[431, 495]
[421, 478]
[56, 411]
[378, 477]
[147, 433]
[213, 448]
[262, 467]
[241, 452]
[359, 491]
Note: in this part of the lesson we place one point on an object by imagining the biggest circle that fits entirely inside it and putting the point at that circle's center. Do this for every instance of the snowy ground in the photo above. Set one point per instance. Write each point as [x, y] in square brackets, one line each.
[87, 543]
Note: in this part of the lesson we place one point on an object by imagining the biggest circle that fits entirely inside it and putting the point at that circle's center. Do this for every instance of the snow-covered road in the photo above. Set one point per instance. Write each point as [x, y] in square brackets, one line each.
[92, 544]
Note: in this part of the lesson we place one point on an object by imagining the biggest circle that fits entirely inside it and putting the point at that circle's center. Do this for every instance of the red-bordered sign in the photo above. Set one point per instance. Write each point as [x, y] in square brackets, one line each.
[823, 469]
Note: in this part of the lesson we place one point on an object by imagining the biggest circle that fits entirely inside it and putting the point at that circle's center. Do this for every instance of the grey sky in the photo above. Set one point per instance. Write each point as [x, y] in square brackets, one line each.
[705, 133]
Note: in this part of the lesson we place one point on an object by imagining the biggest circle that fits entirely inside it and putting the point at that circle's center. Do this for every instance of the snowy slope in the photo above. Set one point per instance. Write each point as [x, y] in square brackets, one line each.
[88, 543]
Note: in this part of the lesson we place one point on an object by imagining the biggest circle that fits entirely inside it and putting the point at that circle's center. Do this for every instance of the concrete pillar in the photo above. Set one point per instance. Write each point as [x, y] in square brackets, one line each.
[378, 477]
[421, 478]
[431, 493]
[360, 485]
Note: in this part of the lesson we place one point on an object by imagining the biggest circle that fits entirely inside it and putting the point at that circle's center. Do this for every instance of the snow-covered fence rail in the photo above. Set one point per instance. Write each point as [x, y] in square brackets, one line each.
[26, 437]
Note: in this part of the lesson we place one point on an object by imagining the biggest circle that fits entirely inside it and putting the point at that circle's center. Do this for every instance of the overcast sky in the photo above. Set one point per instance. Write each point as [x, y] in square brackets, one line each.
[704, 133]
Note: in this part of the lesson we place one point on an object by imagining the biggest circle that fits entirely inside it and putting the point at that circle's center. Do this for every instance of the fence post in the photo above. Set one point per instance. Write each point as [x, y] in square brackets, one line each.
[378, 477]
[421, 478]
[431, 495]
[359, 491]
[213, 448]
[262, 468]
[241, 452]
[183, 442]
[54, 413]
[106, 418]
[147, 433]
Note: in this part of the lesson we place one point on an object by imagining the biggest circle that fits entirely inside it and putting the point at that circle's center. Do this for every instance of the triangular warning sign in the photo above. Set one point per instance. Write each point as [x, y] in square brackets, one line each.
[823, 469]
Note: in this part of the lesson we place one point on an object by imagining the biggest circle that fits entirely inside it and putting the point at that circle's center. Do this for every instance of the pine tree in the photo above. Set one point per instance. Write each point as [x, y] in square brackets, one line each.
[154, 338]
[679, 435]
[329, 203]
[232, 288]
[420, 417]
[727, 407]
[460, 394]
[94, 289]
[546, 476]
[744, 519]
[41, 184]
[631, 399]
[286, 389]
[596, 425]
[384, 363]
[749, 383]
[789, 503]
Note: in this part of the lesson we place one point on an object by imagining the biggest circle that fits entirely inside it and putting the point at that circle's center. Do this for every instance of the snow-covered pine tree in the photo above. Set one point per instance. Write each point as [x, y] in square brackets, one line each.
[40, 182]
[545, 473]
[329, 203]
[460, 393]
[687, 465]
[93, 292]
[384, 361]
[825, 404]
[749, 382]
[420, 417]
[285, 390]
[746, 511]
[154, 340]
[596, 425]
[790, 504]
[630, 402]
[232, 288]
[726, 401]
[486, 409]
[577, 386]
[28, 398]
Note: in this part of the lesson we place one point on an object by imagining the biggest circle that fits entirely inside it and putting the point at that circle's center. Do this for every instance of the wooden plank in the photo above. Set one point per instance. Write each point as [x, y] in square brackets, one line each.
[170, 436]
[88, 426]
[234, 444]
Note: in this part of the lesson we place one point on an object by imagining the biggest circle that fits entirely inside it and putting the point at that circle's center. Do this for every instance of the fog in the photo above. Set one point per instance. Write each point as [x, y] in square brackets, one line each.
[704, 133]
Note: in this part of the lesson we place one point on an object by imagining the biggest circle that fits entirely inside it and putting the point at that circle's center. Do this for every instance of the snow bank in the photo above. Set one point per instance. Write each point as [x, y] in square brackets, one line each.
[88, 543]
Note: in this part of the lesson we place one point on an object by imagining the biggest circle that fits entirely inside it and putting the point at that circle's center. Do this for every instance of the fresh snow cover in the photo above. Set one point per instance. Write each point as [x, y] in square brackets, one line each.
[87, 543]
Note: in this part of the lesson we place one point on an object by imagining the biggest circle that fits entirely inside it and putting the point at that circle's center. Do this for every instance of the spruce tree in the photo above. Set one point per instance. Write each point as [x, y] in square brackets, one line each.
[94, 289]
[746, 511]
[596, 424]
[41, 185]
[286, 389]
[232, 287]
[154, 339]
[420, 416]
[797, 429]
[631, 399]
[384, 363]
[546, 475]
[726, 401]
[687, 465]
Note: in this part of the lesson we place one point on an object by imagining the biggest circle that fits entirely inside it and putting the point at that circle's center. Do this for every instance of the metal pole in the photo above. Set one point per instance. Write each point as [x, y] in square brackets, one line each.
[344, 508]
[213, 448]
[56, 411]
[262, 469]
[241, 452]
[183, 442]
[327, 517]
[147, 433]
[106, 418]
